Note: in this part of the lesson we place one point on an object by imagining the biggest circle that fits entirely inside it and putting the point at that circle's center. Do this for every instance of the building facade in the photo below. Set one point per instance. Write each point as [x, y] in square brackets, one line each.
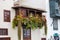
[7, 14]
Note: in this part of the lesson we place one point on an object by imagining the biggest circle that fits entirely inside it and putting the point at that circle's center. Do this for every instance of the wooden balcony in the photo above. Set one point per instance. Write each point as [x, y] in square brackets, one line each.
[27, 10]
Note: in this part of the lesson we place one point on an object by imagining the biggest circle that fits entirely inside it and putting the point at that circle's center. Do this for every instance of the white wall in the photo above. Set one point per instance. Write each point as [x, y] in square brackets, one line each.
[7, 4]
[37, 34]
[38, 4]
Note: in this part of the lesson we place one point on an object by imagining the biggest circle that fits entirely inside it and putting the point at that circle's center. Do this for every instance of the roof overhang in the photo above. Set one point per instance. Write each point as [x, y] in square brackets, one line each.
[40, 10]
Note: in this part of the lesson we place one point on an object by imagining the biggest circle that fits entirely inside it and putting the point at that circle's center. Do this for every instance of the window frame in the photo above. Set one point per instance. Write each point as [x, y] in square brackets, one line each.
[7, 20]
[27, 38]
[4, 38]
[4, 29]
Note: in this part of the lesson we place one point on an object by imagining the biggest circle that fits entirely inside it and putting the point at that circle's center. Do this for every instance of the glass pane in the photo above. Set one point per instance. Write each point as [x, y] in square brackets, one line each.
[3, 32]
[6, 15]
[26, 34]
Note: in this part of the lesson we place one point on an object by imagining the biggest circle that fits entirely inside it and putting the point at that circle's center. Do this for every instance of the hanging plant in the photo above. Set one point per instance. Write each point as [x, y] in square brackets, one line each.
[31, 22]
[17, 22]
[46, 30]
[14, 22]
[44, 24]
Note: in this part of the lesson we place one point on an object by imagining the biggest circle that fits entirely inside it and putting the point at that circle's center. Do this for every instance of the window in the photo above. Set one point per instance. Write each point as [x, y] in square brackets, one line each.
[21, 11]
[5, 38]
[6, 16]
[3, 31]
[55, 24]
[26, 34]
[31, 13]
[43, 38]
[54, 8]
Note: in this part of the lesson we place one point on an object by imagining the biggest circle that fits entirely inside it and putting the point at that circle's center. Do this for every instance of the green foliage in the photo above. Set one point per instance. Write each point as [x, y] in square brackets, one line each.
[14, 22]
[45, 29]
[30, 22]
[40, 25]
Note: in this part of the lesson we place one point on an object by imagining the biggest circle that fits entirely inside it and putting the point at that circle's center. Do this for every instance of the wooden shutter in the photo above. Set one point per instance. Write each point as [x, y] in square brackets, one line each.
[6, 16]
